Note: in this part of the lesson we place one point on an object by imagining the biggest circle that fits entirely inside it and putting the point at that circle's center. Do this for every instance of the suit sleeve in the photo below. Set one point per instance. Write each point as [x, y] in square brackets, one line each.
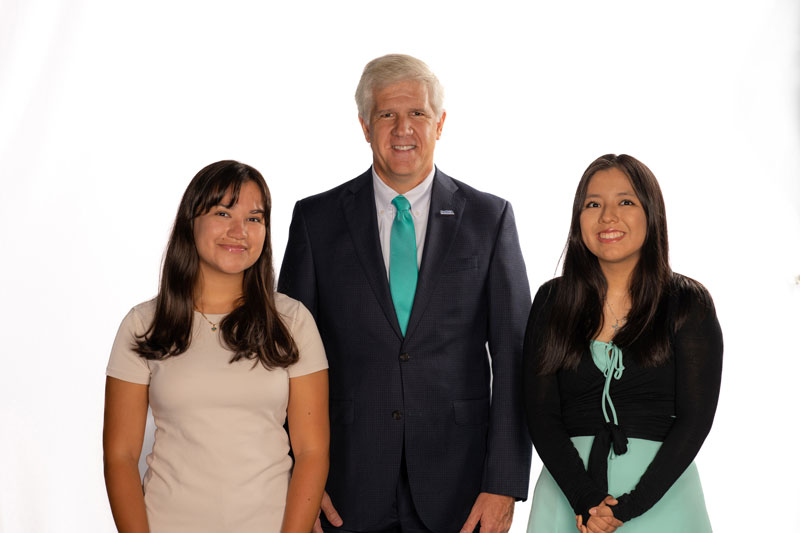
[508, 459]
[697, 348]
[545, 423]
[297, 278]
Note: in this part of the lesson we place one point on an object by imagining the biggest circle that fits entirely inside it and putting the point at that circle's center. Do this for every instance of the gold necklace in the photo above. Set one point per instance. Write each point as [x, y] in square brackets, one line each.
[213, 325]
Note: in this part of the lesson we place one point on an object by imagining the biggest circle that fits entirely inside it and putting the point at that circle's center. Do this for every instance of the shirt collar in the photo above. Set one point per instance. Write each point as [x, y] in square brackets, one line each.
[385, 194]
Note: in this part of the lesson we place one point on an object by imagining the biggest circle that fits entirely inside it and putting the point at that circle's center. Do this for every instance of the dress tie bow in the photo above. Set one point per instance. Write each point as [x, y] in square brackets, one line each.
[610, 434]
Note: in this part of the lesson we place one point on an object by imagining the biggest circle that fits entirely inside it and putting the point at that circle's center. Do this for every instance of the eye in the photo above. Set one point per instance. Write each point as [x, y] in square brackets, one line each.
[386, 115]
[418, 114]
[255, 219]
[221, 213]
[627, 202]
[591, 204]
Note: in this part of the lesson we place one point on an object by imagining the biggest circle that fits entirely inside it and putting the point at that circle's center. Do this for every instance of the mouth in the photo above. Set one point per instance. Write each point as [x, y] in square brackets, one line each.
[233, 248]
[403, 147]
[610, 236]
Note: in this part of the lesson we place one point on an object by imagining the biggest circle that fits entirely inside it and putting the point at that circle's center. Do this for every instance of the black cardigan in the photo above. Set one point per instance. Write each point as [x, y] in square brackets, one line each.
[673, 403]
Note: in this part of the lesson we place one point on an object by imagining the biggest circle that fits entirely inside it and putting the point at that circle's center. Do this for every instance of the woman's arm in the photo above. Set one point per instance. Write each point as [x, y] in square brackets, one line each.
[601, 519]
[309, 431]
[123, 432]
[543, 411]
[697, 348]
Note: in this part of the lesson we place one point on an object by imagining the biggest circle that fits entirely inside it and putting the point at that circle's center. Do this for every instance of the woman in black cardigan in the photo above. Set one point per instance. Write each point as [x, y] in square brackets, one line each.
[623, 360]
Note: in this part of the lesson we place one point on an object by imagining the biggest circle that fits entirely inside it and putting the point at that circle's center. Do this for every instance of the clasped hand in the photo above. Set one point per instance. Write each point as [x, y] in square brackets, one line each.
[601, 520]
[493, 511]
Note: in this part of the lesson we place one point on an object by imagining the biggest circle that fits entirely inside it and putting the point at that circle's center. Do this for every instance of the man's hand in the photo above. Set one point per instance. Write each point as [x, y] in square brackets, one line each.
[330, 513]
[493, 511]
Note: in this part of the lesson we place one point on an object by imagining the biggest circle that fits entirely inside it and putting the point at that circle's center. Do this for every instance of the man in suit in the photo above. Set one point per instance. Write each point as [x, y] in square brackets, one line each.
[410, 275]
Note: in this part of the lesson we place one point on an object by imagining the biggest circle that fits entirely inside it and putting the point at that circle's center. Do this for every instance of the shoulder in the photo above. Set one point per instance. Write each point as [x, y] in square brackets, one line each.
[331, 195]
[145, 308]
[690, 293]
[140, 316]
[304, 331]
[690, 304]
[286, 305]
[292, 311]
[549, 289]
[472, 195]
[124, 362]
[544, 299]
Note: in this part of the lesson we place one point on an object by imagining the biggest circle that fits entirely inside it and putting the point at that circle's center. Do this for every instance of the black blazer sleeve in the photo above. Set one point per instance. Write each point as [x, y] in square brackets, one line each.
[297, 278]
[508, 457]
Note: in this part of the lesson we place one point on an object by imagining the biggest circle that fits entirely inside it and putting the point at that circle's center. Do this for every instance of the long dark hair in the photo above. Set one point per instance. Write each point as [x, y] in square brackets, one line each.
[253, 330]
[577, 311]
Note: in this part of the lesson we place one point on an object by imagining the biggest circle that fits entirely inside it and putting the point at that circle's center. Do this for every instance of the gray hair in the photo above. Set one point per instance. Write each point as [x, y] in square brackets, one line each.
[396, 68]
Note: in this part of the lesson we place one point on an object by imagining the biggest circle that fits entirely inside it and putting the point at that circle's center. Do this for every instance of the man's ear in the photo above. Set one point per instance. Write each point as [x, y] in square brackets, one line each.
[364, 128]
[440, 125]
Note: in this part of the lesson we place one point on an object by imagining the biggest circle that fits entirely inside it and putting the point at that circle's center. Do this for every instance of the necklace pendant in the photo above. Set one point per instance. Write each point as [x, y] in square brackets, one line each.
[213, 328]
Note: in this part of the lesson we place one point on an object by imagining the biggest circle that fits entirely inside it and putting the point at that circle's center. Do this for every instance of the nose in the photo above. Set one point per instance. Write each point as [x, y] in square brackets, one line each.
[609, 214]
[237, 229]
[402, 126]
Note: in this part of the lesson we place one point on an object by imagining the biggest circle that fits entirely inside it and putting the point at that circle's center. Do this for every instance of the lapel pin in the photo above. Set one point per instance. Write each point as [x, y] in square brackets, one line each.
[446, 212]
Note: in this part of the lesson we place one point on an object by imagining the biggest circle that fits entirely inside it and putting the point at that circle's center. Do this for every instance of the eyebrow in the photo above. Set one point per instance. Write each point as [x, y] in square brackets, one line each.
[230, 206]
[394, 110]
[618, 194]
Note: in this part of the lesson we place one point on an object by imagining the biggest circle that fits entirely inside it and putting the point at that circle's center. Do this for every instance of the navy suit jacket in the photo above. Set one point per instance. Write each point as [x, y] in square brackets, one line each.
[435, 395]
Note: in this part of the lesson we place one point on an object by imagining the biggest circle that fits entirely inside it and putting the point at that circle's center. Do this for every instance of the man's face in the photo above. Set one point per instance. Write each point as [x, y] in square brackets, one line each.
[403, 131]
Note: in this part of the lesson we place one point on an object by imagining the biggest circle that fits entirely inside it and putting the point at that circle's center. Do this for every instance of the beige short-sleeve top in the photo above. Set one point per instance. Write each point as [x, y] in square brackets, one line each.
[220, 459]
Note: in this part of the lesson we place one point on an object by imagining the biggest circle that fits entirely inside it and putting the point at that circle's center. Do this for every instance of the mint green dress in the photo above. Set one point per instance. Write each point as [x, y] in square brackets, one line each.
[682, 509]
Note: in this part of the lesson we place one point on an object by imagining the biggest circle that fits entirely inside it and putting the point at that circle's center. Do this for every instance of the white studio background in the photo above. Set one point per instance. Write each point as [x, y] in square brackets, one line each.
[107, 109]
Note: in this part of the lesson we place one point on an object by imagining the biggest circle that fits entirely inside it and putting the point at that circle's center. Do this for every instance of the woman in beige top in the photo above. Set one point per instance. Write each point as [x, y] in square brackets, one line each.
[222, 360]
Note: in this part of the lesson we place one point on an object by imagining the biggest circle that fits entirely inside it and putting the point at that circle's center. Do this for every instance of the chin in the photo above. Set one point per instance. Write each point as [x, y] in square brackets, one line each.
[234, 269]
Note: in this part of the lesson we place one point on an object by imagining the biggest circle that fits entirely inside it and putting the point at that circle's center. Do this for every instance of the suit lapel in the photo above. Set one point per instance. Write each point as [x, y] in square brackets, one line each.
[359, 212]
[442, 229]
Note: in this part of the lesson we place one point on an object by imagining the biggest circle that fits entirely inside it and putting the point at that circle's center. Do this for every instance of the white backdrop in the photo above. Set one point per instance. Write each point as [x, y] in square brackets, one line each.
[107, 109]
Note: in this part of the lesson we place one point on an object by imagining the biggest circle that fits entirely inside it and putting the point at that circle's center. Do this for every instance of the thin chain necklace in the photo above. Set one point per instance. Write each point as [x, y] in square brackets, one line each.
[213, 325]
[616, 325]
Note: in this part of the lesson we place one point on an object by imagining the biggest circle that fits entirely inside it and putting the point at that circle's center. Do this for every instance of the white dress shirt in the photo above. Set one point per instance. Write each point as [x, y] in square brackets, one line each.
[420, 199]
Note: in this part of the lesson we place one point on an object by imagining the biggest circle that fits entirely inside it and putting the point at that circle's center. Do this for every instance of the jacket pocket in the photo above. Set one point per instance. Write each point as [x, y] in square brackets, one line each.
[341, 412]
[471, 412]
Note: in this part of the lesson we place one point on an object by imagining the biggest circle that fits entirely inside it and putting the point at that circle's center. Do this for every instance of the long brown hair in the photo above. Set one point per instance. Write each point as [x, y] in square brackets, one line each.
[577, 311]
[253, 330]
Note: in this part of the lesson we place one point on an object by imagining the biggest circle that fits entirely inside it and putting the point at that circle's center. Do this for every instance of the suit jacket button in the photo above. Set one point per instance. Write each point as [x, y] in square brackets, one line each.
[397, 415]
[404, 357]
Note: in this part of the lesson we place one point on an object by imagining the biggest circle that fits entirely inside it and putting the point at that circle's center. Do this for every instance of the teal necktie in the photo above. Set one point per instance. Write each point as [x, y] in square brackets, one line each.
[403, 262]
